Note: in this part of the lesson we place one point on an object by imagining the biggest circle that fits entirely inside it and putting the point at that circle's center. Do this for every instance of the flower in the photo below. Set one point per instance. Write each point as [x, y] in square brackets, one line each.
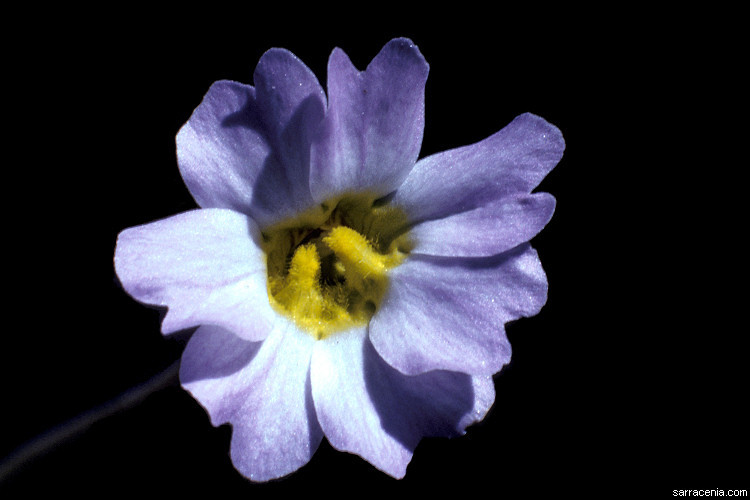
[342, 288]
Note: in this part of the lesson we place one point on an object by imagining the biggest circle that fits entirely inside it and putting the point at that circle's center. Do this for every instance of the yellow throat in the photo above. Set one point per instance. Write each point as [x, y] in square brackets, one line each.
[327, 268]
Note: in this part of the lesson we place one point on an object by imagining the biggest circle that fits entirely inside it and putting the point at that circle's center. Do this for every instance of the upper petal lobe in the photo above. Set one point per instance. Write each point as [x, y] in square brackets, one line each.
[292, 104]
[222, 147]
[512, 161]
[248, 148]
[374, 124]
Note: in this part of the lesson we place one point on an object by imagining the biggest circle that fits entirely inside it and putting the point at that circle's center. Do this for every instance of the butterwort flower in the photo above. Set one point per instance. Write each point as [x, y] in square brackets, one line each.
[342, 288]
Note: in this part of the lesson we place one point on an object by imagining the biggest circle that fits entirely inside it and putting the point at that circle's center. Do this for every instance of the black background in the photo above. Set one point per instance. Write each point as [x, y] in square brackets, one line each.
[617, 386]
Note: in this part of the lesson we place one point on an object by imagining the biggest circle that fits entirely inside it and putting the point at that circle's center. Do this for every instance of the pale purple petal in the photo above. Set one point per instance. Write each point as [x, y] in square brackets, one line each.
[487, 230]
[292, 104]
[283, 82]
[223, 147]
[204, 265]
[512, 161]
[445, 313]
[263, 390]
[248, 148]
[374, 125]
[366, 407]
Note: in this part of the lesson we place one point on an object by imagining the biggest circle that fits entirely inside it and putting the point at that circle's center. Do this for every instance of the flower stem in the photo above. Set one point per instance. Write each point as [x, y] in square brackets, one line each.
[53, 438]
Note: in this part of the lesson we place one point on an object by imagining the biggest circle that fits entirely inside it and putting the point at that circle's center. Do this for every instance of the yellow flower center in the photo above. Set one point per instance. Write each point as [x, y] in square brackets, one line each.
[327, 268]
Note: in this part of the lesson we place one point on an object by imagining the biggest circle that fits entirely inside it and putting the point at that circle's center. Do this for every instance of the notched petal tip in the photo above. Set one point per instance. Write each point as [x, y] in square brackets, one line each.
[397, 49]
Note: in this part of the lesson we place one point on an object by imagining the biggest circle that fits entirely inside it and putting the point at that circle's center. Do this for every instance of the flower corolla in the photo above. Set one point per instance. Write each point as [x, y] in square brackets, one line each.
[342, 287]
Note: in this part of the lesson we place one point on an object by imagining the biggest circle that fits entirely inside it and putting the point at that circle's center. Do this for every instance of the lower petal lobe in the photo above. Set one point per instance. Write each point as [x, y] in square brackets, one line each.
[263, 390]
[445, 313]
[367, 407]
